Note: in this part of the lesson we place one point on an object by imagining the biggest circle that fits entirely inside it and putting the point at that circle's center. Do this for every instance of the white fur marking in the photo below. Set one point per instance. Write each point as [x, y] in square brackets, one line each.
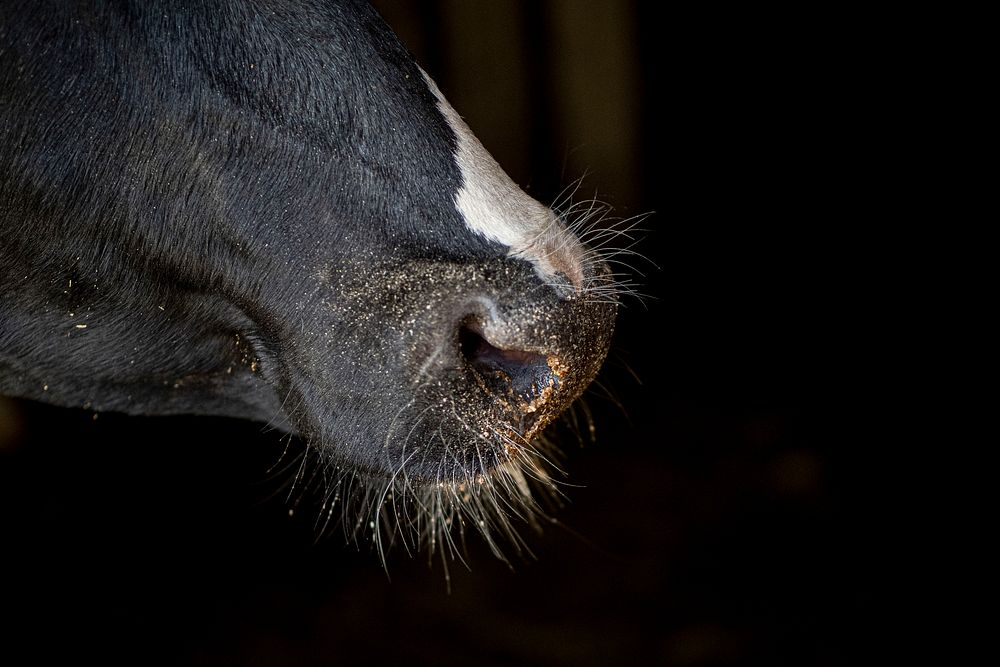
[493, 206]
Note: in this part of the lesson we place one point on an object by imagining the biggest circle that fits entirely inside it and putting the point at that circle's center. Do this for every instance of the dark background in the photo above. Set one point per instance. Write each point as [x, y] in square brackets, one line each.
[721, 518]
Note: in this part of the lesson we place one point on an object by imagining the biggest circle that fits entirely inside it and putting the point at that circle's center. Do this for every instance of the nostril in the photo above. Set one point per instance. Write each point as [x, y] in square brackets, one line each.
[529, 373]
[476, 349]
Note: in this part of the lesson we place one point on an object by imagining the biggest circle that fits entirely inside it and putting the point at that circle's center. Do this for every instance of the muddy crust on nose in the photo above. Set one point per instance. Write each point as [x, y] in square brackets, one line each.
[394, 328]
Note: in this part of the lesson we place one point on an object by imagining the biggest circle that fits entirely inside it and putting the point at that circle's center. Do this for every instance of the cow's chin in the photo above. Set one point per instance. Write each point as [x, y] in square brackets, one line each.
[441, 428]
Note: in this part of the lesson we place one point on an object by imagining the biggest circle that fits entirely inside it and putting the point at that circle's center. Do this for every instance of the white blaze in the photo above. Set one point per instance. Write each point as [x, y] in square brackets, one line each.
[494, 207]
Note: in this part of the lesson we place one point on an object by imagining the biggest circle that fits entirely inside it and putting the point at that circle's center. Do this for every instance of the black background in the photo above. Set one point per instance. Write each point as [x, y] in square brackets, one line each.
[721, 517]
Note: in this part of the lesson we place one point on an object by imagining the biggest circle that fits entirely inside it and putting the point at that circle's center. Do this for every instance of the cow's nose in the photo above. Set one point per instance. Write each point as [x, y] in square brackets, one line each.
[528, 375]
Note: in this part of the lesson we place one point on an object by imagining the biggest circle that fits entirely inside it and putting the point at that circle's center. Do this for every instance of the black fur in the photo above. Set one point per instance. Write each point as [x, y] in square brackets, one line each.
[204, 158]
[248, 209]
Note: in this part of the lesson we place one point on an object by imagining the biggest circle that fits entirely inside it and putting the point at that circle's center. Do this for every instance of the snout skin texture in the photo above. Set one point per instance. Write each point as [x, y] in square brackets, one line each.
[429, 406]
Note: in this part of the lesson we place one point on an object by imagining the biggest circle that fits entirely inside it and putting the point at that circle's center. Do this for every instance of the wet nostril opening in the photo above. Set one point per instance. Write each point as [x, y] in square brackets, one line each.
[528, 372]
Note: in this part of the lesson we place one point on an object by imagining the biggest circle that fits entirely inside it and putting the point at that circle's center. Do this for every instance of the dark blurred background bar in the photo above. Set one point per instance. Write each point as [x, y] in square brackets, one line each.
[720, 517]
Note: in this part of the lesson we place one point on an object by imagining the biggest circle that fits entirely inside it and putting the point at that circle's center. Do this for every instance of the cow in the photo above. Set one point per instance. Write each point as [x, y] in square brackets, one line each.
[267, 210]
